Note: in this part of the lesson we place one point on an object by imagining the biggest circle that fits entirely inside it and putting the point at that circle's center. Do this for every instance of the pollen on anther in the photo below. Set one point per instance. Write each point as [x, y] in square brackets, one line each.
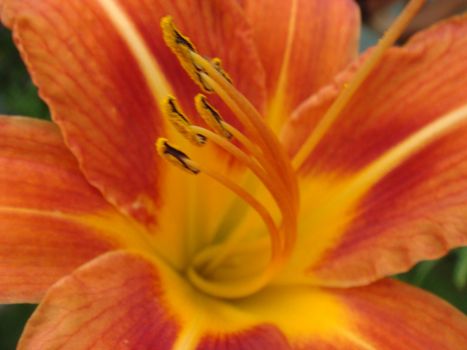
[175, 156]
[211, 116]
[182, 47]
[217, 64]
[180, 121]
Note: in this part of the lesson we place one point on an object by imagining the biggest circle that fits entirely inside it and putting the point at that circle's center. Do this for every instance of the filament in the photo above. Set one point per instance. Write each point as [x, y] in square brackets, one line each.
[250, 117]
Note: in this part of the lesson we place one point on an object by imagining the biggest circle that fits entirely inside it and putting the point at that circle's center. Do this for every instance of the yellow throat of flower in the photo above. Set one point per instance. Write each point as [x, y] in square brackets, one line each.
[257, 148]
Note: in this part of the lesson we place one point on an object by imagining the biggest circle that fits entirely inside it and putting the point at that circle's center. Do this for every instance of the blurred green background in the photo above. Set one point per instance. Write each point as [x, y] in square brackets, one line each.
[445, 277]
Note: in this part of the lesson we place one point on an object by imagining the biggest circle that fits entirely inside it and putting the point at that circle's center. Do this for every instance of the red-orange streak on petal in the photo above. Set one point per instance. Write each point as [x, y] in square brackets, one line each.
[393, 315]
[38, 172]
[43, 195]
[258, 338]
[114, 302]
[390, 315]
[36, 251]
[325, 40]
[412, 86]
[385, 315]
[417, 211]
[97, 95]
[217, 29]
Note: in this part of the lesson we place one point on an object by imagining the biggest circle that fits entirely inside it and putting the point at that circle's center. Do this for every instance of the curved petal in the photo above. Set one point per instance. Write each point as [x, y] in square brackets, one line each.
[416, 211]
[385, 315]
[51, 219]
[124, 310]
[97, 94]
[140, 304]
[313, 40]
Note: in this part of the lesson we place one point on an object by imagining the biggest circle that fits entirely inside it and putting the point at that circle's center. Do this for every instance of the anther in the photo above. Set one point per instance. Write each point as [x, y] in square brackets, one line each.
[178, 119]
[217, 64]
[175, 156]
[211, 116]
[182, 47]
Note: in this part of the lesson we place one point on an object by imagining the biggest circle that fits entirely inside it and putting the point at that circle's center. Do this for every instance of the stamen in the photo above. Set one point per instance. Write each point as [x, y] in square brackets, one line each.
[269, 180]
[233, 150]
[248, 198]
[217, 64]
[267, 158]
[175, 156]
[253, 122]
[182, 47]
[275, 155]
[211, 116]
[180, 159]
[204, 72]
[179, 120]
[278, 189]
[245, 142]
[191, 131]
[198, 133]
[349, 90]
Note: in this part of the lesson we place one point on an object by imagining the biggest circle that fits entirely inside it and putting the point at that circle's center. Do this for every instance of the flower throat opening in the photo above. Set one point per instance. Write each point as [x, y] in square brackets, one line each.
[264, 157]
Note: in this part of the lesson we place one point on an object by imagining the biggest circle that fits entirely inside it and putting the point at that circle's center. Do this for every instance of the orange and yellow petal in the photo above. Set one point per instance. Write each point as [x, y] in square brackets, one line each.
[124, 300]
[96, 95]
[312, 41]
[130, 301]
[217, 29]
[51, 219]
[90, 76]
[414, 211]
[385, 315]
[393, 315]
[113, 302]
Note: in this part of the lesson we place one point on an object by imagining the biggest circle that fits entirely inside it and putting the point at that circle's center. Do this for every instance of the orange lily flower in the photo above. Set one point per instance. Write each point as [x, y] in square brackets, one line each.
[275, 204]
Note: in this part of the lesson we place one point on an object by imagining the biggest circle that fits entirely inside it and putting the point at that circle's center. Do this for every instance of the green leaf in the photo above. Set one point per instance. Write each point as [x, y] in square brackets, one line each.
[460, 269]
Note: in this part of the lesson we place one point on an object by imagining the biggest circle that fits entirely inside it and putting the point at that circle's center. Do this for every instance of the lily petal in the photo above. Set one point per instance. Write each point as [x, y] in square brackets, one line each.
[96, 95]
[385, 315]
[219, 29]
[416, 211]
[123, 300]
[313, 40]
[51, 219]
[96, 92]
[140, 304]
[113, 302]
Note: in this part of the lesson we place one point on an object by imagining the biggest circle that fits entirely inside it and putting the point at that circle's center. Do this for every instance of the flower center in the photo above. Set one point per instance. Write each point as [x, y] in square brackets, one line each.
[265, 158]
